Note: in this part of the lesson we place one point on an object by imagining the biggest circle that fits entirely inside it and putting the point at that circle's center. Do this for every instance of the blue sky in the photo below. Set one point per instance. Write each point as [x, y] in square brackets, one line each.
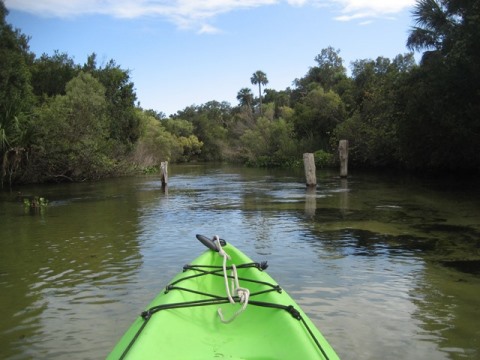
[186, 52]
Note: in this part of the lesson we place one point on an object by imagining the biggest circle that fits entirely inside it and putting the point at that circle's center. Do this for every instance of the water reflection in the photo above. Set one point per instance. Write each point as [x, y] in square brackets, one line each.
[343, 196]
[310, 201]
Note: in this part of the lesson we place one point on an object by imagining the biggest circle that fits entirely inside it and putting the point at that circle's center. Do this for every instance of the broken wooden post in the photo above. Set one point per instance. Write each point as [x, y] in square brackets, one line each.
[310, 171]
[164, 173]
[343, 153]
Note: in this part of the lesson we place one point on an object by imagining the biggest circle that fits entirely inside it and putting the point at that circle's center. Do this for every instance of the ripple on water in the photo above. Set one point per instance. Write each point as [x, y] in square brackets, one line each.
[348, 253]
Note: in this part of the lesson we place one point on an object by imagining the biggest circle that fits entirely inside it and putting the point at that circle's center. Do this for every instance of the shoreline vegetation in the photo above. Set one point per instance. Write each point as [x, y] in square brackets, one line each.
[62, 121]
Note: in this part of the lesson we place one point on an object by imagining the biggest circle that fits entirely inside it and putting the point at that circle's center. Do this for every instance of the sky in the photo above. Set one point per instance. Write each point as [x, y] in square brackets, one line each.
[188, 52]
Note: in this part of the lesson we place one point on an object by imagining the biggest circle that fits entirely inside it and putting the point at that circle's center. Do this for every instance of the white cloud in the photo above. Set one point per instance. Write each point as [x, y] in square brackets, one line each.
[297, 2]
[362, 9]
[355, 16]
[208, 29]
[364, 23]
[378, 6]
[195, 14]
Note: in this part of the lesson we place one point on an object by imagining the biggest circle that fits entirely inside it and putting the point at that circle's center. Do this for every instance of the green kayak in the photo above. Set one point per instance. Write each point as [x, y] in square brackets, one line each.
[223, 305]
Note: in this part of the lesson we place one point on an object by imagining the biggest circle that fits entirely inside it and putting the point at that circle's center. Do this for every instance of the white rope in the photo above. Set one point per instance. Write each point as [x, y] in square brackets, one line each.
[242, 293]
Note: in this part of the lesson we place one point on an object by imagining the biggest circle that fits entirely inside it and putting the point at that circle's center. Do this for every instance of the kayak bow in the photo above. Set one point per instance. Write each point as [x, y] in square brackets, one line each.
[200, 315]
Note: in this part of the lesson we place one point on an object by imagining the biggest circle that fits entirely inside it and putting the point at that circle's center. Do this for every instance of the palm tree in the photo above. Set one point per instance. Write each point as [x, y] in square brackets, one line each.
[245, 97]
[260, 78]
[435, 24]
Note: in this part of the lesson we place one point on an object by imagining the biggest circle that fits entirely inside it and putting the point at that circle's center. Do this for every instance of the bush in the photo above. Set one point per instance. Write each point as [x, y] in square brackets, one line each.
[324, 159]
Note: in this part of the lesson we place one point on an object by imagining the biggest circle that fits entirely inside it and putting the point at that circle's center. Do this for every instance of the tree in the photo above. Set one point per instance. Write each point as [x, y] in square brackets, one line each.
[211, 122]
[71, 130]
[155, 144]
[178, 127]
[328, 73]
[269, 143]
[120, 95]
[159, 115]
[372, 127]
[446, 29]
[50, 74]
[280, 99]
[245, 97]
[434, 25]
[330, 68]
[15, 89]
[260, 78]
[16, 99]
[441, 101]
[316, 116]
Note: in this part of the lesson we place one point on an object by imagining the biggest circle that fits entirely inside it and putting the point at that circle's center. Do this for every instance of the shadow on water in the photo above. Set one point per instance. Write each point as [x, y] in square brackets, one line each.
[444, 227]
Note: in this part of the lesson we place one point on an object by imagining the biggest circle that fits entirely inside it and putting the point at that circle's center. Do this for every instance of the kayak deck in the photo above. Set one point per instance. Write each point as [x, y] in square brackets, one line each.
[182, 322]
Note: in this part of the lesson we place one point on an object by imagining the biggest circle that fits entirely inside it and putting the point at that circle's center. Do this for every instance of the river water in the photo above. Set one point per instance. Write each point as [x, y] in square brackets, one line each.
[388, 267]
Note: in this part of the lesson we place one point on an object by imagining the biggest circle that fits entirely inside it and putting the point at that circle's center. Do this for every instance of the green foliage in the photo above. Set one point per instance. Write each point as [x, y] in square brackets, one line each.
[329, 73]
[316, 116]
[71, 134]
[58, 123]
[279, 99]
[157, 144]
[324, 159]
[211, 123]
[120, 97]
[269, 143]
[260, 78]
[245, 97]
[16, 99]
[178, 127]
[50, 74]
[440, 125]
[15, 89]
[35, 205]
[64, 121]
[372, 127]
[191, 148]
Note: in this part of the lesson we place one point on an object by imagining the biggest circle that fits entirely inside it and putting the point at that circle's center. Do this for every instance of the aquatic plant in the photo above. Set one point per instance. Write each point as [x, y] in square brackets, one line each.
[35, 204]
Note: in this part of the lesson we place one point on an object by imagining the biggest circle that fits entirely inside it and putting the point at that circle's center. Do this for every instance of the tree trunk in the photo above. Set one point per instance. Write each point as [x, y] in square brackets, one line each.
[260, 97]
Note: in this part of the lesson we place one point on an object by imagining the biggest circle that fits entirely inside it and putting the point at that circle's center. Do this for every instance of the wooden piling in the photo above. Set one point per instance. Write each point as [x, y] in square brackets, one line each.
[343, 153]
[310, 171]
[164, 173]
